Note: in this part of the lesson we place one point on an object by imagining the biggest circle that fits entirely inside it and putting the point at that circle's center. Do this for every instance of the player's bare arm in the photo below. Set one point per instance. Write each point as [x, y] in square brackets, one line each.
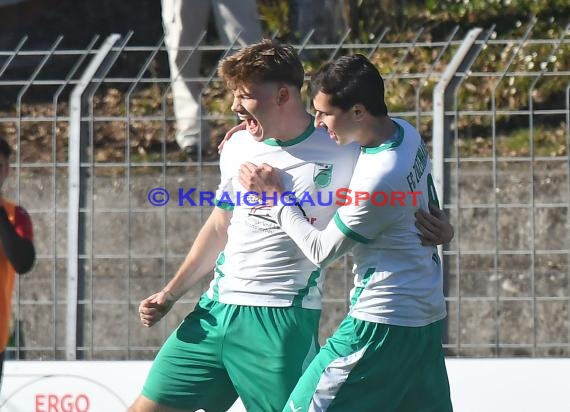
[198, 263]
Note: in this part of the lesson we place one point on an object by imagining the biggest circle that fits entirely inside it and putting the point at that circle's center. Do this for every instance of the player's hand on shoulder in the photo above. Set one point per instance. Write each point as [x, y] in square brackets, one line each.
[434, 226]
[229, 135]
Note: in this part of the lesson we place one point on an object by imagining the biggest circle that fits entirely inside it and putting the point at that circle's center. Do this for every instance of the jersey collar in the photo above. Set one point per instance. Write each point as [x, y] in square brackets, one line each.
[391, 143]
[303, 136]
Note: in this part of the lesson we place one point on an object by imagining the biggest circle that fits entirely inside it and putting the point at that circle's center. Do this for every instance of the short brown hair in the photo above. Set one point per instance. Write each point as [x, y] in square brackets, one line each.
[265, 61]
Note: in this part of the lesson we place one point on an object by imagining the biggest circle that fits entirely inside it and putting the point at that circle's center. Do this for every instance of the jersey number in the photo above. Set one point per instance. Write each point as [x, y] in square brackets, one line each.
[432, 194]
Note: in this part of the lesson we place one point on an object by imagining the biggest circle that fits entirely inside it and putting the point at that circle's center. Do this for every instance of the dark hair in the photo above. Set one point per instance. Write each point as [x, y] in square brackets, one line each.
[265, 61]
[5, 149]
[350, 80]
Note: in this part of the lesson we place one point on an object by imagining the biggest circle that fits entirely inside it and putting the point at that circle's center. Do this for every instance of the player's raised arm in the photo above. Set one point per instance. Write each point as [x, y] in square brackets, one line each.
[323, 247]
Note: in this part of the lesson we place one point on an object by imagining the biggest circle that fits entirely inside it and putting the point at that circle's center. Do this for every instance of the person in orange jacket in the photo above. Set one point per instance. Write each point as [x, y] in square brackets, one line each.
[17, 252]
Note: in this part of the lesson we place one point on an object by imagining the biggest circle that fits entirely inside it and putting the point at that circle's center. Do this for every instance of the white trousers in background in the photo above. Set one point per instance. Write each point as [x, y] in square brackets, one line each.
[183, 22]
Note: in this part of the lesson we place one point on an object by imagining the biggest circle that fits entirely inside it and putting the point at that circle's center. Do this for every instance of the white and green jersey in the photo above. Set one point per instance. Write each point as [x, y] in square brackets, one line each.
[397, 280]
[260, 265]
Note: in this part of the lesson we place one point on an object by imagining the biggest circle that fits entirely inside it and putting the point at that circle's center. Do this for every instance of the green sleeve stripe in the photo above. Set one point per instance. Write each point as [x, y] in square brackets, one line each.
[348, 232]
[224, 205]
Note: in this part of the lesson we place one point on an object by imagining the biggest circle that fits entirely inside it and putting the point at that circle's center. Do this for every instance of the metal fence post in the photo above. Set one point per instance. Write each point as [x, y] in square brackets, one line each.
[458, 63]
[441, 125]
[74, 193]
[439, 108]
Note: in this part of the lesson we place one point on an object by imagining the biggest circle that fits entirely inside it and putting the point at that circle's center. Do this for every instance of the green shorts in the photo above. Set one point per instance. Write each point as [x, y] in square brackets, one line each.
[367, 366]
[220, 351]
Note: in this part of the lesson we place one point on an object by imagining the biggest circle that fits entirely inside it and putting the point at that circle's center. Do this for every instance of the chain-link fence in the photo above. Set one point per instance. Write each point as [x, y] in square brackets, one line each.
[94, 131]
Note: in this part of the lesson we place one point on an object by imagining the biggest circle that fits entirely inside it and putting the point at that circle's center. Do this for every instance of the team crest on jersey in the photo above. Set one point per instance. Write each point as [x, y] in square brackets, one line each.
[322, 174]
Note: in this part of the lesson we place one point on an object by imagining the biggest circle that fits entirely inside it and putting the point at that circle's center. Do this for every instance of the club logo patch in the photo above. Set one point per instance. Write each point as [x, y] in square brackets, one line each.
[322, 174]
